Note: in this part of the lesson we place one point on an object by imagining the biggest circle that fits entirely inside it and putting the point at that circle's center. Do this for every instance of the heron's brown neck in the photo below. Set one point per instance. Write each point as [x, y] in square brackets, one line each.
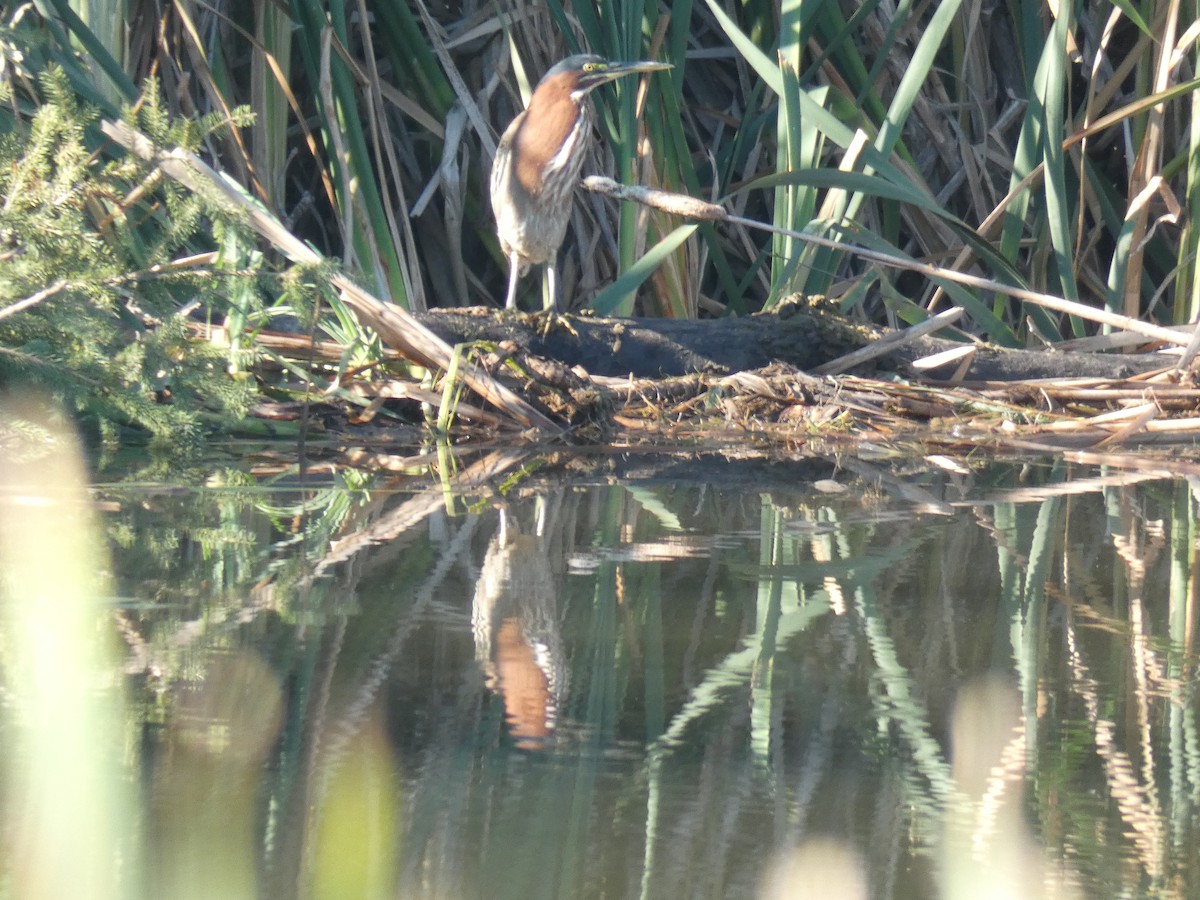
[557, 116]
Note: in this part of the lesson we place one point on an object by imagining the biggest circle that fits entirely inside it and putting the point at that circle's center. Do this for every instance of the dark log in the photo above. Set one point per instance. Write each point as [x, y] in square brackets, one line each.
[803, 337]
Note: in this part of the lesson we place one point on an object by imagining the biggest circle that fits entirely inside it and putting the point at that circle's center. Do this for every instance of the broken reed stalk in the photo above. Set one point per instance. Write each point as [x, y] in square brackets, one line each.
[397, 328]
[890, 342]
[693, 208]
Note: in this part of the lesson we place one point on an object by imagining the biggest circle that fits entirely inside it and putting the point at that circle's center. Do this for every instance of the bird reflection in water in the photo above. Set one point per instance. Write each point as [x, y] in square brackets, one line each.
[518, 643]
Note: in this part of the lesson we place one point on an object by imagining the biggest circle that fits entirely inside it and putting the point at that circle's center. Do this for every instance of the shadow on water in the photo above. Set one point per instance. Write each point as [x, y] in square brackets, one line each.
[716, 679]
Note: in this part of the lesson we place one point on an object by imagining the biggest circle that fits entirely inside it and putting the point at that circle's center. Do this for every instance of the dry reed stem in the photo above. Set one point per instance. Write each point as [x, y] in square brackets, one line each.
[395, 325]
[691, 207]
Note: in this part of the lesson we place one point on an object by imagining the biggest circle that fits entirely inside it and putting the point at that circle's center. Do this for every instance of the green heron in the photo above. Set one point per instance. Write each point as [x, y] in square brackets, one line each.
[538, 161]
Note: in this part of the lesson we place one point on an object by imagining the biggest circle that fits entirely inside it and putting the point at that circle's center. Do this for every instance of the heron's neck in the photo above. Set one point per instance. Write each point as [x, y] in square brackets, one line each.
[570, 154]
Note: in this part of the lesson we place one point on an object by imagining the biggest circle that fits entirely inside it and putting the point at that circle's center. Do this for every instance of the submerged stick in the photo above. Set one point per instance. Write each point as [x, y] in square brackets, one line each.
[693, 208]
[394, 324]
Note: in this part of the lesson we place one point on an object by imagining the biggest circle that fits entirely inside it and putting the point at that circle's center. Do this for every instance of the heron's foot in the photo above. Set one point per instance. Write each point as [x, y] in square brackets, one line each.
[549, 319]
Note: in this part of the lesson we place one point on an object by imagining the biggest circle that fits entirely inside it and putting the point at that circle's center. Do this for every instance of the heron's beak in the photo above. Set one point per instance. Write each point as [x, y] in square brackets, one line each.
[617, 69]
[614, 70]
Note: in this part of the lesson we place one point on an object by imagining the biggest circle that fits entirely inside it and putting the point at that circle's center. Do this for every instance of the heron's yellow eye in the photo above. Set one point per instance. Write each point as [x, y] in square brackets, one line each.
[592, 67]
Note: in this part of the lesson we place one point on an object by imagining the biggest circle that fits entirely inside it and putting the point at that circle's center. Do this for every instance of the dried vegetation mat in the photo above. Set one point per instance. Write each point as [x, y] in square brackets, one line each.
[1146, 419]
[782, 407]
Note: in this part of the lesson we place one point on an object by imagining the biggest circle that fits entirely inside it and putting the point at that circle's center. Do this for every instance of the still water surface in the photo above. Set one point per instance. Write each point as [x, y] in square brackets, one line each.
[828, 679]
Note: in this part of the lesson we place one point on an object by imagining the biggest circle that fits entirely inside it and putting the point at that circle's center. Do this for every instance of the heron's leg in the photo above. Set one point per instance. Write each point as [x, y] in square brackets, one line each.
[550, 317]
[550, 298]
[514, 274]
